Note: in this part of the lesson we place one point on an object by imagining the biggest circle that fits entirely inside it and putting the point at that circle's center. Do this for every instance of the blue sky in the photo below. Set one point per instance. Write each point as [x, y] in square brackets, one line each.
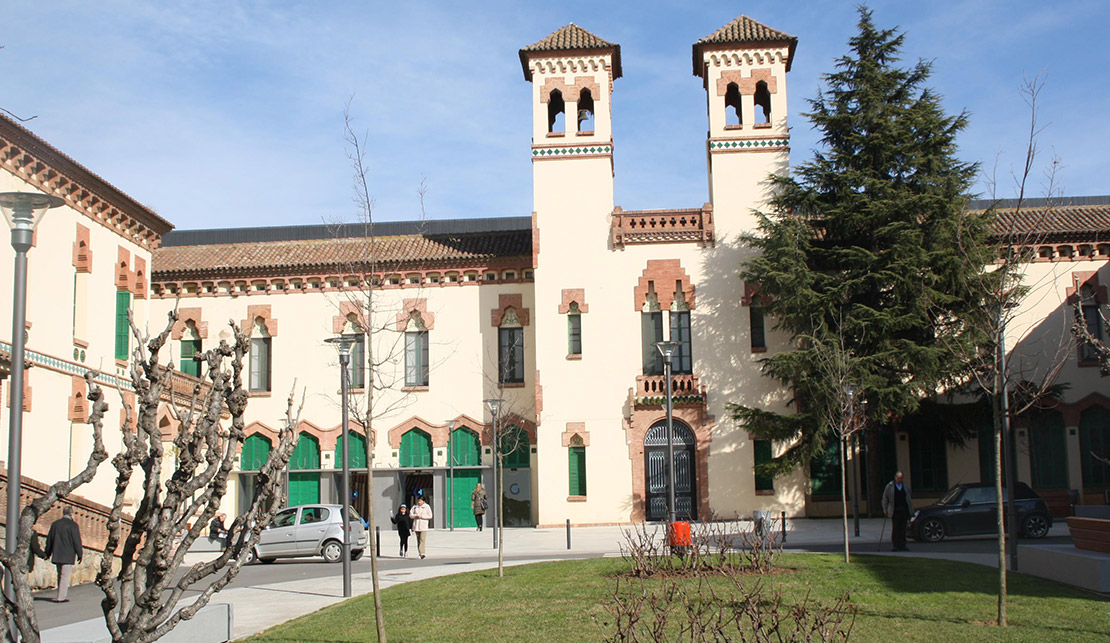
[230, 113]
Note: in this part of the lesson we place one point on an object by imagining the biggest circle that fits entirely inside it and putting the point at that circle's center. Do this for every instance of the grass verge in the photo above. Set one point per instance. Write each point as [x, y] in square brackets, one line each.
[903, 599]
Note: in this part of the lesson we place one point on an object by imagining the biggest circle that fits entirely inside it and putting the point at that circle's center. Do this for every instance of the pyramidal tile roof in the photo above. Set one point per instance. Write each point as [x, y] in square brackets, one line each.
[570, 38]
[744, 30]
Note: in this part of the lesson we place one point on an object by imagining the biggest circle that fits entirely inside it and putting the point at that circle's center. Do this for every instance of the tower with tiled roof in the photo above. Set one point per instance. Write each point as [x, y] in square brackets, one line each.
[743, 68]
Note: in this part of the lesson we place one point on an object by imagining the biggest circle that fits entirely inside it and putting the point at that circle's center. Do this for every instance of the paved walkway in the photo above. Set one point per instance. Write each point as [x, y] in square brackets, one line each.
[260, 605]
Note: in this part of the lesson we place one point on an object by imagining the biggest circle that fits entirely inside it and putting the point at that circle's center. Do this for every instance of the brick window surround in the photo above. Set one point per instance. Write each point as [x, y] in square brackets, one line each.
[664, 274]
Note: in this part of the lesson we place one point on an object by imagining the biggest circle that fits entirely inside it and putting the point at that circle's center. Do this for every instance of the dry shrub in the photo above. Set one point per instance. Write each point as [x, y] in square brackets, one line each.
[717, 547]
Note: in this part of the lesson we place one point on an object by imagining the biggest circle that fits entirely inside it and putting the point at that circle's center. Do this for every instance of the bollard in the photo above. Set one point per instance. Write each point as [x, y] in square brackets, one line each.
[378, 541]
[784, 527]
[568, 534]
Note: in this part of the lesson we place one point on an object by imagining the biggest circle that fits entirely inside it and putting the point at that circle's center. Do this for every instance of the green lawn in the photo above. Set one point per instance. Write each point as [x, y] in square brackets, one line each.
[899, 599]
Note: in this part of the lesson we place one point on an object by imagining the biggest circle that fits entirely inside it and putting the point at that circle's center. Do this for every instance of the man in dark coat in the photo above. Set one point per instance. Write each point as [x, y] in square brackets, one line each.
[898, 506]
[63, 546]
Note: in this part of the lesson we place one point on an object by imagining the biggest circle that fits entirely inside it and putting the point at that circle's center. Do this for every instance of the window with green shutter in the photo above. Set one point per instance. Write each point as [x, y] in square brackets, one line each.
[824, 470]
[358, 453]
[416, 449]
[256, 451]
[1048, 450]
[577, 470]
[189, 349]
[123, 329]
[465, 448]
[306, 455]
[515, 447]
[762, 450]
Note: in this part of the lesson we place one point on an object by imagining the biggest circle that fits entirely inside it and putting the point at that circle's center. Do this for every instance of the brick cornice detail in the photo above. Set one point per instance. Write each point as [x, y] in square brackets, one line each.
[746, 84]
[263, 311]
[506, 421]
[185, 315]
[576, 295]
[410, 306]
[464, 421]
[437, 432]
[262, 429]
[346, 309]
[752, 295]
[125, 278]
[82, 250]
[573, 429]
[77, 408]
[504, 302]
[26, 391]
[571, 93]
[664, 273]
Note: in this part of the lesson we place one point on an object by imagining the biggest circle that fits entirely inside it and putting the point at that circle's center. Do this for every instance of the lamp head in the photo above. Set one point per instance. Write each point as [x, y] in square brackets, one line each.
[494, 405]
[667, 349]
[24, 210]
[343, 343]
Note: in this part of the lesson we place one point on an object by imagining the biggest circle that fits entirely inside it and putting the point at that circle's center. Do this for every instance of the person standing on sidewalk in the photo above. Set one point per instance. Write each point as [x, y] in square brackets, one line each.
[898, 506]
[404, 525]
[421, 515]
[478, 501]
[63, 546]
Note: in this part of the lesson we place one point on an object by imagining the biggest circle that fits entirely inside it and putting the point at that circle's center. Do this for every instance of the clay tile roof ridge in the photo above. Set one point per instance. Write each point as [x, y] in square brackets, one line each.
[744, 30]
[570, 37]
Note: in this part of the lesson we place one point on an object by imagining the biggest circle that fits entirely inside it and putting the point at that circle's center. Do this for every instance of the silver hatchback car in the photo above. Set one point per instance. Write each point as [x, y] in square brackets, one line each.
[310, 530]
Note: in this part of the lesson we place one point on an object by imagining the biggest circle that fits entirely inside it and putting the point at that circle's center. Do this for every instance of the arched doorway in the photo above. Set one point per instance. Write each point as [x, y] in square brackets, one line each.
[685, 474]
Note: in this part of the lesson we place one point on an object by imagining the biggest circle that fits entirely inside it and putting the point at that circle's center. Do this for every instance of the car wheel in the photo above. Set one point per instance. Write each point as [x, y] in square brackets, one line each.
[1034, 526]
[932, 530]
[251, 558]
[355, 555]
[332, 551]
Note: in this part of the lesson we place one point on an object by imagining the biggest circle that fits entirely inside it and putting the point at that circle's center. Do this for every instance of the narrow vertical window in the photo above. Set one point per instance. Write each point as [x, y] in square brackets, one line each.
[762, 456]
[556, 113]
[190, 348]
[574, 334]
[123, 329]
[585, 112]
[1092, 317]
[356, 369]
[510, 355]
[683, 361]
[260, 364]
[652, 332]
[416, 358]
[762, 103]
[759, 336]
[577, 470]
[733, 113]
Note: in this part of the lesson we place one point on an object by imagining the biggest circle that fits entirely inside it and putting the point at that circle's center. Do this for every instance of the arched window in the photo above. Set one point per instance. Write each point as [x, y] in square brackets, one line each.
[556, 113]
[585, 112]
[465, 449]
[256, 451]
[416, 449]
[762, 102]
[358, 451]
[733, 115]
[515, 447]
[306, 455]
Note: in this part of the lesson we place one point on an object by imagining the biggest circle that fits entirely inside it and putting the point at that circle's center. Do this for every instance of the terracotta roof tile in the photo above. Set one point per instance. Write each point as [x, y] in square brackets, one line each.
[744, 30]
[570, 38]
[1088, 222]
[310, 256]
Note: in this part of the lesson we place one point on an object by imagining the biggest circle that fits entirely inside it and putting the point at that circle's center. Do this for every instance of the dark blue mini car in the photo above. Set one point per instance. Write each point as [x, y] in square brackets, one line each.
[970, 510]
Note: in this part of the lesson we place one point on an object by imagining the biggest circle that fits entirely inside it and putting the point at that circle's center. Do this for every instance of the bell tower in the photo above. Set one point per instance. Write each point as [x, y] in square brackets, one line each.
[743, 68]
[572, 73]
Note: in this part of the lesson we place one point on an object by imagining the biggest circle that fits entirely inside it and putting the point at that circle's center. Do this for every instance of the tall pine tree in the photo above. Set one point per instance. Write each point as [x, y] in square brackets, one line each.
[865, 247]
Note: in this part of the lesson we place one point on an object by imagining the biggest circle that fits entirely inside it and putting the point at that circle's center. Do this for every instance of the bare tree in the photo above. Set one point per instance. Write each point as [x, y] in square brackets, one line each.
[1014, 383]
[141, 599]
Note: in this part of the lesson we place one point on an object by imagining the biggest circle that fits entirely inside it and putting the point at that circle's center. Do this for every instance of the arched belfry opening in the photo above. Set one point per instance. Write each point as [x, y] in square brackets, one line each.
[733, 115]
[556, 113]
[585, 112]
[762, 103]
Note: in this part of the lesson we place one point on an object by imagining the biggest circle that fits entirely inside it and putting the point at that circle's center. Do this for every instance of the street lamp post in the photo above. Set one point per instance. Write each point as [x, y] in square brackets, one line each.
[23, 211]
[667, 350]
[344, 343]
[450, 475]
[494, 405]
[855, 462]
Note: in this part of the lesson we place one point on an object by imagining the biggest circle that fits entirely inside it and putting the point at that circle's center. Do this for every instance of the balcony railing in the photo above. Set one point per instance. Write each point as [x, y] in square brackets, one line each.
[180, 389]
[685, 389]
[662, 226]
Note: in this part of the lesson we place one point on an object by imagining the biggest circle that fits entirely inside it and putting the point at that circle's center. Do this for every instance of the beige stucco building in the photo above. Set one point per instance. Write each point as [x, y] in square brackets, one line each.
[555, 314]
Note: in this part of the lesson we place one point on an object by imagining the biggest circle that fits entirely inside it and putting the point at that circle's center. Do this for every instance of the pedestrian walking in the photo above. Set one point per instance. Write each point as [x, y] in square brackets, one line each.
[421, 516]
[479, 501]
[404, 525]
[898, 506]
[63, 546]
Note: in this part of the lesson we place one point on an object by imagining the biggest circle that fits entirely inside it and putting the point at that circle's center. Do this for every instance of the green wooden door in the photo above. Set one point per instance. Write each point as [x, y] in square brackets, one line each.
[304, 488]
[1048, 451]
[465, 450]
[465, 479]
[190, 348]
[256, 451]
[358, 455]
[416, 449]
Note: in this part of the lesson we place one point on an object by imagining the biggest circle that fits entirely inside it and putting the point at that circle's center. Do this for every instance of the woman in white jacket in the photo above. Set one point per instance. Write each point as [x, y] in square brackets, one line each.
[421, 516]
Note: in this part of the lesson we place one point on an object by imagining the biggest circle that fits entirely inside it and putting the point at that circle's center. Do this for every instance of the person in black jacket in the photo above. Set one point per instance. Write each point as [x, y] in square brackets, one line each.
[404, 527]
[63, 546]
